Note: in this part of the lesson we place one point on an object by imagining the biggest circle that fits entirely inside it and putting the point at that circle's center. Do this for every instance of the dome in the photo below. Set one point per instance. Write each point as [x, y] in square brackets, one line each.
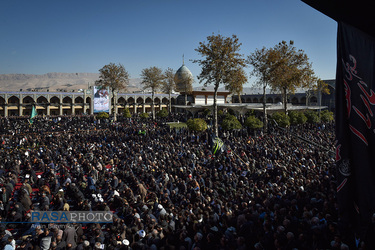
[182, 75]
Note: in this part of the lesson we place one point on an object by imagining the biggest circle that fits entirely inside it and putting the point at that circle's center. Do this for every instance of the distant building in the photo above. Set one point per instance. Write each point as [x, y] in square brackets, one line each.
[301, 97]
[19, 103]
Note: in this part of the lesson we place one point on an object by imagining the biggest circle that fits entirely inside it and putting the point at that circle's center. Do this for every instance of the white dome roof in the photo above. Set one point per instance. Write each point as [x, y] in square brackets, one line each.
[182, 75]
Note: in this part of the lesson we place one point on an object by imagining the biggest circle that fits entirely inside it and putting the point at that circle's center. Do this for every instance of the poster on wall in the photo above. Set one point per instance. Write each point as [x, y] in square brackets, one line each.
[101, 99]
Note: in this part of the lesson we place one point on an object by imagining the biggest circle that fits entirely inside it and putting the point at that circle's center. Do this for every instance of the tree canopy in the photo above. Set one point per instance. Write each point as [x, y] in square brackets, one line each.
[115, 77]
[168, 85]
[221, 60]
[290, 68]
[262, 62]
[152, 78]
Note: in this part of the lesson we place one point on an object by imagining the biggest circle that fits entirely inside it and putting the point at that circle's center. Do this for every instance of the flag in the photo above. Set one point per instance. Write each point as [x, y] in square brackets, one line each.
[33, 114]
[217, 145]
[141, 132]
[355, 127]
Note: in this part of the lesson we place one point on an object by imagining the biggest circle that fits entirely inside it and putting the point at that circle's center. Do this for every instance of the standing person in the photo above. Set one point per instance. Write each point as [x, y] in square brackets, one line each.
[45, 239]
[70, 236]
[11, 244]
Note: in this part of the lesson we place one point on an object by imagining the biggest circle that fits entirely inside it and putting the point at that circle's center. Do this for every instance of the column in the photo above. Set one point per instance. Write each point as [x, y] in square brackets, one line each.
[20, 108]
[6, 105]
[6, 110]
[73, 106]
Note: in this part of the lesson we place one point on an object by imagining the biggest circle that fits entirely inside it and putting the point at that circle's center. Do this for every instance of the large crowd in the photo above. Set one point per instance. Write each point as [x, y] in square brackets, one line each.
[165, 187]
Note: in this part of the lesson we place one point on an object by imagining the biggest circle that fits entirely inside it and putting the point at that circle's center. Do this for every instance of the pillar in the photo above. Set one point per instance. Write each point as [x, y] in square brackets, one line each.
[6, 110]
[73, 106]
[20, 108]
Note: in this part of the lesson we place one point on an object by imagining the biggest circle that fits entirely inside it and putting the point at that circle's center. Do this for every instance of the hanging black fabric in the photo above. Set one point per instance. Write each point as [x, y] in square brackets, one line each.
[355, 127]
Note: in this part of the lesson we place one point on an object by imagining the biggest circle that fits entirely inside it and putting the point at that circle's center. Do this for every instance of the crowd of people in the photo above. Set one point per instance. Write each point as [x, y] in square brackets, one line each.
[165, 187]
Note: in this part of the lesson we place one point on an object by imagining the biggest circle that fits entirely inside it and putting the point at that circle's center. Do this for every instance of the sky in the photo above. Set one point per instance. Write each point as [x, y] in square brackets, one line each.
[81, 36]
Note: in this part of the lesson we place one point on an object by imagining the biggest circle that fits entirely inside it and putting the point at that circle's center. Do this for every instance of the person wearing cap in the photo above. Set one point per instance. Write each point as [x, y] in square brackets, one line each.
[160, 211]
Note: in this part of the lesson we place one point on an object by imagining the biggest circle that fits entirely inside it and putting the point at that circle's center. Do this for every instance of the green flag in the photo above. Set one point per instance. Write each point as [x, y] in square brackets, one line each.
[217, 145]
[33, 114]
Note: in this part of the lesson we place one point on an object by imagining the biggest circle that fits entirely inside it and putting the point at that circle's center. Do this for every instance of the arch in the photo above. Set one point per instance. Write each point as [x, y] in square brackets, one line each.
[139, 100]
[88, 100]
[313, 99]
[294, 100]
[148, 100]
[121, 100]
[13, 100]
[248, 100]
[55, 100]
[67, 99]
[78, 99]
[255, 100]
[28, 99]
[165, 100]
[277, 99]
[41, 99]
[269, 100]
[243, 100]
[131, 100]
[2, 100]
[157, 100]
[303, 100]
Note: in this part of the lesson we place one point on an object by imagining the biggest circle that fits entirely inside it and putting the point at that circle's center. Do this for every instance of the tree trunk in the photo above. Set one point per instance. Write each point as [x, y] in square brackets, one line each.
[307, 97]
[285, 101]
[215, 128]
[265, 119]
[152, 106]
[170, 103]
[319, 101]
[239, 98]
[186, 114]
[114, 106]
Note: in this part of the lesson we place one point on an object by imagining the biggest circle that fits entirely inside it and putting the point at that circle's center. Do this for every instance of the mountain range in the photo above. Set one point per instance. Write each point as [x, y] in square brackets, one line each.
[55, 81]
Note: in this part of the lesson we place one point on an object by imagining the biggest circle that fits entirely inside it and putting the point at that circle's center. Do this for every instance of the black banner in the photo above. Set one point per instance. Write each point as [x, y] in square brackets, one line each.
[355, 128]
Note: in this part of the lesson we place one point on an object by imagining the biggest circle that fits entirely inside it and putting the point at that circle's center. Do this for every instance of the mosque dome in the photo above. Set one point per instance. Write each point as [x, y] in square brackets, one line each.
[181, 77]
